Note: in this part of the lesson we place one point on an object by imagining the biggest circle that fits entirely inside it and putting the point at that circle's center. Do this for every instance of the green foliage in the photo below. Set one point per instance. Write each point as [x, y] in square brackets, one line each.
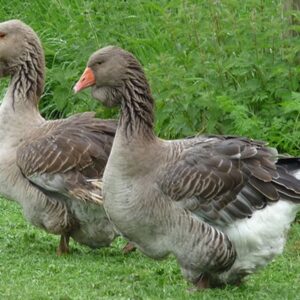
[30, 270]
[228, 67]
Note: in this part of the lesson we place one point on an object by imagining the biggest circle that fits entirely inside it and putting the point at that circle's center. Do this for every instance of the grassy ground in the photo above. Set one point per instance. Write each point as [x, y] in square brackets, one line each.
[29, 269]
[221, 66]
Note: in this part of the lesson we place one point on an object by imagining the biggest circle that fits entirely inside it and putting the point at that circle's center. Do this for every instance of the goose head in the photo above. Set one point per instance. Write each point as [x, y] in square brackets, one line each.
[108, 72]
[15, 39]
[22, 58]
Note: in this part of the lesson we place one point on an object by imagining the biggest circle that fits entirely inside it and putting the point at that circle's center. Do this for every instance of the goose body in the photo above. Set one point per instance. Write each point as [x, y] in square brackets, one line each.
[222, 205]
[258, 234]
[53, 169]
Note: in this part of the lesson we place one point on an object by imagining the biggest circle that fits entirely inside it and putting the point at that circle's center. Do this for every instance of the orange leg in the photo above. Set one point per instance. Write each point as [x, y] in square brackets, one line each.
[129, 247]
[203, 283]
[63, 247]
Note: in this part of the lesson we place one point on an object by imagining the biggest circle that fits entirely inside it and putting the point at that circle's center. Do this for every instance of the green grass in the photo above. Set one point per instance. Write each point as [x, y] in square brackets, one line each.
[225, 67]
[30, 269]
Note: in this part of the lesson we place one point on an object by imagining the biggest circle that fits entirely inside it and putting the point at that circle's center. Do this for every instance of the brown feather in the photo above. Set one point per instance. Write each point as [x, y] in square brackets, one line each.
[231, 177]
[76, 148]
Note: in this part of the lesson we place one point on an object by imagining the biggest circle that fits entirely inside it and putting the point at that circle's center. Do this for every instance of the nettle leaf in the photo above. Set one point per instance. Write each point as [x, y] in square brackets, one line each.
[296, 96]
[228, 67]
[293, 104]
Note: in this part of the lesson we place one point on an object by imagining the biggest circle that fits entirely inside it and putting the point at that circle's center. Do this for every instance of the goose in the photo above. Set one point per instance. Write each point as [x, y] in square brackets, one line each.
[53, 169]
[220, 204]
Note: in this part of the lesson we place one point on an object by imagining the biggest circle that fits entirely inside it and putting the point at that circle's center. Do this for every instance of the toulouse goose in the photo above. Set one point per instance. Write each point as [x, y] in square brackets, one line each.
[51, 168]
[220, 204]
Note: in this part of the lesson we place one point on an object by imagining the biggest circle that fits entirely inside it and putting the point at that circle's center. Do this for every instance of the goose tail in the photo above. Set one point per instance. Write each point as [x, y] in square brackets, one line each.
[291, 165]
[288, 179]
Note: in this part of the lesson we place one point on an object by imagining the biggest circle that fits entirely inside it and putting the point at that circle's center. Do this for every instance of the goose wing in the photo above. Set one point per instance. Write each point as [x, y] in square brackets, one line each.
[69, 156]
[226, 178]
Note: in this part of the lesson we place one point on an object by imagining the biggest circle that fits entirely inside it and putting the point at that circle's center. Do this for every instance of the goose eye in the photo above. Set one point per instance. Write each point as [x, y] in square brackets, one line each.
[99, 63]
[2, 34]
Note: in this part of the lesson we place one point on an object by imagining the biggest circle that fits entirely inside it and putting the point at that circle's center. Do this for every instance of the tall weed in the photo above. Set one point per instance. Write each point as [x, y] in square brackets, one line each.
[225, 67]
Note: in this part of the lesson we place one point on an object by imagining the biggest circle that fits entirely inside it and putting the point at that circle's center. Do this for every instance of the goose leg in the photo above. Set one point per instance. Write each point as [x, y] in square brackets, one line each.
[202, 283]
[205, 282]
[129, 247]
[63, 247]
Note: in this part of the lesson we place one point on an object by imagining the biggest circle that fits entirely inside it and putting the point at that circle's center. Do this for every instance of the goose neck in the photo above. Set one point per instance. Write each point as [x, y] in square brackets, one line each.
[27, 80]
[137, 116]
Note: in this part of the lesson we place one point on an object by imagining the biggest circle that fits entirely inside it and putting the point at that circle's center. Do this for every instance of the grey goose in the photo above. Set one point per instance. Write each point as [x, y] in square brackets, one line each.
[53, 169]
[221, 205]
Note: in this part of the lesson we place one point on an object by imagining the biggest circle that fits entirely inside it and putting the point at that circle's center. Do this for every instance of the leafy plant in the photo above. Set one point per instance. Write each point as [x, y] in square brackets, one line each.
[228, 67]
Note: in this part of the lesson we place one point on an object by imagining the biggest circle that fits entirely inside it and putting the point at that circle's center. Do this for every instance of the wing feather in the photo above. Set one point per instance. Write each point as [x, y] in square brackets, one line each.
[65, 156]
[226, 178]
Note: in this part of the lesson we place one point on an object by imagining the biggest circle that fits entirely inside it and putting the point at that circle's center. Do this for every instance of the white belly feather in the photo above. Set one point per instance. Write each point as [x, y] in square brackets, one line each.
[296, 174]
[260, 238]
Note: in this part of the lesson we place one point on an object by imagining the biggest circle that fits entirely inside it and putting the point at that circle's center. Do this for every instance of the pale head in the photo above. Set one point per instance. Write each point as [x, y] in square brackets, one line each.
[14, 38]
[107, 72]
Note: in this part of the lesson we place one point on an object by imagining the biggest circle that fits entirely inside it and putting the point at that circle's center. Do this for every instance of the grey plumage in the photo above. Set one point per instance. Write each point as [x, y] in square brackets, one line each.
[52, 168]
[226, 178]
[65, 155]
[220, 204]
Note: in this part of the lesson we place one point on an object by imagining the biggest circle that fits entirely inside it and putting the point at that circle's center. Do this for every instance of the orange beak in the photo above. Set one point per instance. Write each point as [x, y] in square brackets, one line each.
[87, 79]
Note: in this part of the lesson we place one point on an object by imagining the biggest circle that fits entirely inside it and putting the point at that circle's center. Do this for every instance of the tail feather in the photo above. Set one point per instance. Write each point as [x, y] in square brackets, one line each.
[291, 165]
[87, 191]
[288, 182]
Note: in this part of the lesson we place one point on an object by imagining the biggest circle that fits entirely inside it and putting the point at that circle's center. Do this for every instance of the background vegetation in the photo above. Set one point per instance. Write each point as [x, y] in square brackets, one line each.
[30, 270]
[229, 67]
